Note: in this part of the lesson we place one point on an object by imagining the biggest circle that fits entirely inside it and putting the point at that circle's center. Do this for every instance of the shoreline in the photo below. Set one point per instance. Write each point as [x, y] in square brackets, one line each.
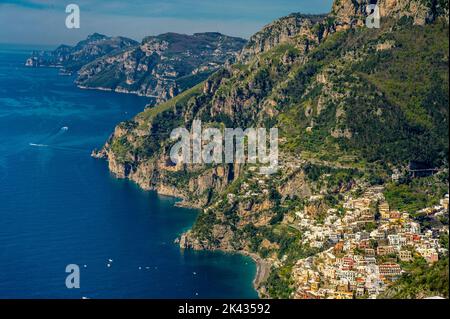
[262, 268]
[262, 271]
[118, 91]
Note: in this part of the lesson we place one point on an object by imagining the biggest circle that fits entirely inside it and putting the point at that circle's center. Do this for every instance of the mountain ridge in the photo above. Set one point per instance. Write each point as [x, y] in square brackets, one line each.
[72, 58]
[161, 66]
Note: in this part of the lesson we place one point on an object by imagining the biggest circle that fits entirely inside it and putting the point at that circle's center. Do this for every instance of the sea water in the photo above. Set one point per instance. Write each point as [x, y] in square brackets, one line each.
[59, 206]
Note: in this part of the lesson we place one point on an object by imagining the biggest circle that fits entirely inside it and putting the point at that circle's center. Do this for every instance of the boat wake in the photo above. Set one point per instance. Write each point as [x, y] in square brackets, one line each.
[38, 145]
[54, 142]
[60, 148]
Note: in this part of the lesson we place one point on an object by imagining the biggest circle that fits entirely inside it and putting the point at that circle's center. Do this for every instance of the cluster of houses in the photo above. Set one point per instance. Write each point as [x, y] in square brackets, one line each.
[363, 246]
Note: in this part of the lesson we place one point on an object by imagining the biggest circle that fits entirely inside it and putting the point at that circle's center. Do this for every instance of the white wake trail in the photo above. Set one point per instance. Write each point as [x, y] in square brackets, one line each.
[38, 145]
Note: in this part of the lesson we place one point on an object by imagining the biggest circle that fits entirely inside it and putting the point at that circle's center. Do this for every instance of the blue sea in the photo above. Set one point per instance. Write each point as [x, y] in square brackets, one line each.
[59, 206]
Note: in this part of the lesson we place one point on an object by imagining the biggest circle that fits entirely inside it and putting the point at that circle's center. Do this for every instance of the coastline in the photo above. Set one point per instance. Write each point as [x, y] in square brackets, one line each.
[262, 271]
[119, 91]
[262, 268]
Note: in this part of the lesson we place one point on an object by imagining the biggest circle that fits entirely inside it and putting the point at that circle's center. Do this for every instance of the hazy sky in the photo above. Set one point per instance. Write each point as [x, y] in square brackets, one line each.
[43, 21]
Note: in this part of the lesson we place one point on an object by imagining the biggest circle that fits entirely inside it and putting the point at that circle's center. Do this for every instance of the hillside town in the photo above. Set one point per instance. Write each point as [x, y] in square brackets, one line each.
[369, 243]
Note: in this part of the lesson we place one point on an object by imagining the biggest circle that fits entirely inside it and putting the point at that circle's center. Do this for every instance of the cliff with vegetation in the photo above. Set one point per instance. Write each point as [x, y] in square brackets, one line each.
[357, 110]
[72, 58]
[161, 66]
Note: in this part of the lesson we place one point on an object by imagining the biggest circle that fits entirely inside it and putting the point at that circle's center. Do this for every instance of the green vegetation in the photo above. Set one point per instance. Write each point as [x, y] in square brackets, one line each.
[333, 178]
[355, 107]
[394, 102]
[279, 283]
[179, 100]
[421, 280]
[202, 227]
[174, 65]
[414, 77]
[121, 148]
[188, 81]
[415, 194]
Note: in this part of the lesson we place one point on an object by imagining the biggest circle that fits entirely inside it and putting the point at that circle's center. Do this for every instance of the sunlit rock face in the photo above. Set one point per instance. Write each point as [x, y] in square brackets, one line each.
[162, 66]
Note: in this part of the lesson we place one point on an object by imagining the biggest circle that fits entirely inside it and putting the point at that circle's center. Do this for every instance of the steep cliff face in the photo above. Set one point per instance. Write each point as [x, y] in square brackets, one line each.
[296, 29]
[139, 150]
[353, 12]
[73, 58]
[306, 31]
[352, 105]
[161, 66]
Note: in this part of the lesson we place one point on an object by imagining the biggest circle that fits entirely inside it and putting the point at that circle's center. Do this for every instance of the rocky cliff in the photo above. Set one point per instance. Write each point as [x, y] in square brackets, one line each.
[72, 58]
[354, 12]
[161, 66]
[298, 29]
[353, 105]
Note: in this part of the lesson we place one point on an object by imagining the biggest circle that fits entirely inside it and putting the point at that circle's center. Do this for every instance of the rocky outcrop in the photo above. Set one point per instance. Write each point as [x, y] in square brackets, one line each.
[350, 13]
[161, 66]
[296, 28]
[195, 184]
[306, 31]
[72, 58]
